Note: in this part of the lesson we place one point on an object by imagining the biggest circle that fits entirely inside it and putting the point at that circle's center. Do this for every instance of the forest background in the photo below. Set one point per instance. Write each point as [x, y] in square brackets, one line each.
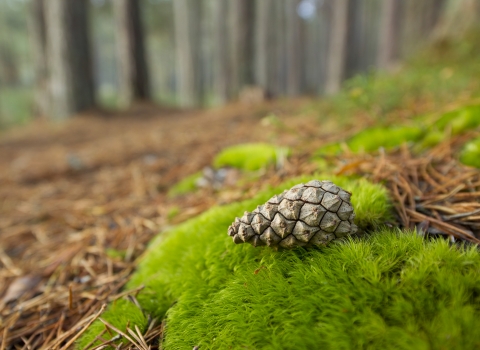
[192, 53]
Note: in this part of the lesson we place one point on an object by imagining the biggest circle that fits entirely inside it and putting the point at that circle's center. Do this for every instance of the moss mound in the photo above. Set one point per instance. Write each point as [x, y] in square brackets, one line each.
[391, 291]
[121, 313]
[372, 139]
[460, 120]
[186, 185]
[250, 156]
[470, 154]
[197, 259]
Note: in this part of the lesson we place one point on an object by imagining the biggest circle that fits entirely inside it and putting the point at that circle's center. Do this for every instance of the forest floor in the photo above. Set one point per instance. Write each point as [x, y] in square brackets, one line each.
[73, 194]
[80, 200]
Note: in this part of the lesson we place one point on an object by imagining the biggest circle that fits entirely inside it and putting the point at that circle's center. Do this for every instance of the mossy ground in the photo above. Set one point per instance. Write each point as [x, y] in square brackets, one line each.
[250, 157]
[197, 258]
[388, 138]
[470, 154]
[427, 131]
[121, 313]
[459, 120]
[185, 185]
[373, 139]
[389, 290]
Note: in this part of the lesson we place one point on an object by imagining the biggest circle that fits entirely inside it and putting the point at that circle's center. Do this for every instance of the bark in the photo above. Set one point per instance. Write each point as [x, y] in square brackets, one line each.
[71, 80]
[221, 42]
[241, 28]
[388, 42]
[263, 42]
[278, 76]
[293, 48]
[337, 47]
[187, 17]
[133, 71]
[38, 43]
[247, 33]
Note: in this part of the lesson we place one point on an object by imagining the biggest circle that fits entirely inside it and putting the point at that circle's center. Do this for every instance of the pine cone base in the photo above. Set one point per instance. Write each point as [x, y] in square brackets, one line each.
[311, 214]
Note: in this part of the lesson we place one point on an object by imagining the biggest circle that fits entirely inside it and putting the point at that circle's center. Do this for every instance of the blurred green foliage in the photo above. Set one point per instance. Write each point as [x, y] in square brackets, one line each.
[16, 71]
[470, 154]
[16, 105]
[186, 185]
[372, 139]
[460, 120]
[440, 74]
[250, 156]
[389, 137]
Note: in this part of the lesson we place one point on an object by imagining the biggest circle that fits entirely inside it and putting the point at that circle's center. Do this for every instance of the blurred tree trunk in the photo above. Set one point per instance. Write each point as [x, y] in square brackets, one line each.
[279, 54]
[221, 43]
[241, 29]
[68, 52]
[187, 18]
[38, 42]
[336, 60]
[388, 42]
[263, 42]
[293, 47]
[247, 33]
[133, 72]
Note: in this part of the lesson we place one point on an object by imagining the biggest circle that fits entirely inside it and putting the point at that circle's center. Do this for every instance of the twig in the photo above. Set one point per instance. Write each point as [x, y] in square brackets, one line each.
[76, 336]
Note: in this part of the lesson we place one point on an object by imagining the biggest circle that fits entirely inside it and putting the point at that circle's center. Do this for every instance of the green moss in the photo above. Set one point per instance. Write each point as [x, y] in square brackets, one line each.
[331, 149]
[432, 138]
[250, 156]
[173, 212]
[372, 139]
[391, 291]
[121, 313]
[460, 120]
[470, 154]
[186, 185]
[115, 253]
[197, 259]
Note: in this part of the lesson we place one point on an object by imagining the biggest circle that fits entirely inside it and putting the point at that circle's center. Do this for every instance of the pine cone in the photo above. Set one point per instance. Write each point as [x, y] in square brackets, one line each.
[306, 215]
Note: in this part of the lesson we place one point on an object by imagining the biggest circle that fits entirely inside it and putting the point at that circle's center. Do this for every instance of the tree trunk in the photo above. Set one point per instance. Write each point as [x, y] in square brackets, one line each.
[68, 51]
[221, 42]
[38, 41]
[263, 42]
[389, 33]
[133, 72]
[187, 17]
[293, 48]
[279, 54]
[248, 37]
[240, 18]
[337, 46]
